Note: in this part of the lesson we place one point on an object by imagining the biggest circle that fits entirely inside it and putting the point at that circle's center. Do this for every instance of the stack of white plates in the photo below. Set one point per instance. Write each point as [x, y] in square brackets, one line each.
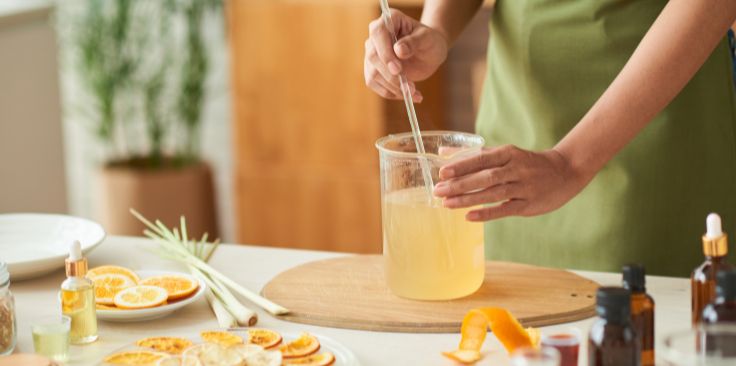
[35, 244]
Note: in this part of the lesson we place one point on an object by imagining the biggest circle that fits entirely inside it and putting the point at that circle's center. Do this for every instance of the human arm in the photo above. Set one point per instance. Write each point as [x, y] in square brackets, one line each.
[422, 46]
[531, 183]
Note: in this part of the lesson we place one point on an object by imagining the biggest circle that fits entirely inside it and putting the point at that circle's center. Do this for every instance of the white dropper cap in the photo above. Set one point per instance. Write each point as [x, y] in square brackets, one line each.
[713, 225]
[75, 251]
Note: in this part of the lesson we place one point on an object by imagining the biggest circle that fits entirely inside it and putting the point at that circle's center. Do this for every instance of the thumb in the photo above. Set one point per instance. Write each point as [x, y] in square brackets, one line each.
[407, 46]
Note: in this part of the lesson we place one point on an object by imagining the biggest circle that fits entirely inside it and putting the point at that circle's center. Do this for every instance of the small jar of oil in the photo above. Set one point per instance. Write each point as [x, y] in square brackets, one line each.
[78, 298]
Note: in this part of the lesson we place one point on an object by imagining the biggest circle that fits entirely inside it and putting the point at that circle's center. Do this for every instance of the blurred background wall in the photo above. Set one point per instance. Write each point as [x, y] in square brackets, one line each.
[288, 124]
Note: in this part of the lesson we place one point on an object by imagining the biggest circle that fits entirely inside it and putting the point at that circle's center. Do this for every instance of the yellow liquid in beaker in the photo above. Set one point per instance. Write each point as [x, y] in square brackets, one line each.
[430, 252]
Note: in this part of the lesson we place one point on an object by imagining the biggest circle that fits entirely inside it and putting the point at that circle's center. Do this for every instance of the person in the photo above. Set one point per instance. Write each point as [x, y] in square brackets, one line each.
[610, 125]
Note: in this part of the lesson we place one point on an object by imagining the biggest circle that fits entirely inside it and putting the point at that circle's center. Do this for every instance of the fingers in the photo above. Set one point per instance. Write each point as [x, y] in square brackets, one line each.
[487, 159]
[382, 42]
[493, 194]
[473, 182]
[509, 208]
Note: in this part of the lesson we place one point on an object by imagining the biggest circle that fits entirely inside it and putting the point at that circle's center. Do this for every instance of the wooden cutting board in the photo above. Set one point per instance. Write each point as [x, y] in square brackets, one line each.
[350, 292]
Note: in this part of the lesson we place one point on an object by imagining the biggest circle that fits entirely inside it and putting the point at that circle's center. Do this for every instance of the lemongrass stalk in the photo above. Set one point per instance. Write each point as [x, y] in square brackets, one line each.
[224, 318]
[164, 235]
[242, 315]
[183, 225]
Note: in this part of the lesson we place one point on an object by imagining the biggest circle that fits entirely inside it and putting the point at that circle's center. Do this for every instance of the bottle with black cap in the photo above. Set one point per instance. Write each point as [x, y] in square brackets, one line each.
[613, 340]
[642, 310]
[723, 308]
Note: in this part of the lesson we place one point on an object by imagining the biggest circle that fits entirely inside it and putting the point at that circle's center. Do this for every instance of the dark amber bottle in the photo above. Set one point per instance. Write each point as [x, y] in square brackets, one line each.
[613, 340]
[642, 310]
[722, 311]
[703, 279]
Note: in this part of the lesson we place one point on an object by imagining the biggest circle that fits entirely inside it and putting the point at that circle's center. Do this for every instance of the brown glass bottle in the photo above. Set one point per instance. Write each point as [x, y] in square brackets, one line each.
[642, 310]
[722, 311]
[613, 340]
[703, 279]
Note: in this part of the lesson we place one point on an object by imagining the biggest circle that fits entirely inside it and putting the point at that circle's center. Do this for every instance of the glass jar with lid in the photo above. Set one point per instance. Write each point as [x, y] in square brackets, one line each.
[8, 326]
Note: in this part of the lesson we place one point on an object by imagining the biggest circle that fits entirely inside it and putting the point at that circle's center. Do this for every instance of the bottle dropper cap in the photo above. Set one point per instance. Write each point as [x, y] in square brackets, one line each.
[726, 284]
[634, 278]
[76, 264]
[715, 241]
[613, 304]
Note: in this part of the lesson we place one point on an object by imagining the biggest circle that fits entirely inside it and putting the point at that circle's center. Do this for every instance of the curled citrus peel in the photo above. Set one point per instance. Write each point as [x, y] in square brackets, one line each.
[507, 329]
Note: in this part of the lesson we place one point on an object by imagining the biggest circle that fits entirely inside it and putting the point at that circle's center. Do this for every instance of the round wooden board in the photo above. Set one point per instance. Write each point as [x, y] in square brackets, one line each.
[350, 292]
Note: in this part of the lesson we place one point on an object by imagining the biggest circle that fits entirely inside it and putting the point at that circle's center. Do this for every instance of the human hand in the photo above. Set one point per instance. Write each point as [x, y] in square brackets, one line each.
[418, 53]
[524, 183]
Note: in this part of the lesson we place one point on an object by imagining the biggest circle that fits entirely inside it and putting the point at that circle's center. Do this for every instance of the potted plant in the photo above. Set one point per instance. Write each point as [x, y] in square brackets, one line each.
[142, 66]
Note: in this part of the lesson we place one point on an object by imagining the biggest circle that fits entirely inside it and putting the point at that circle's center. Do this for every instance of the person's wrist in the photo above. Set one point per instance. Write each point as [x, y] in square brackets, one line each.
[575, 170]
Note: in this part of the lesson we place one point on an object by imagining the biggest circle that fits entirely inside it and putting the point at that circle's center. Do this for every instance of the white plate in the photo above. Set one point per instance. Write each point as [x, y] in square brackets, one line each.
[343, 355]
[35, 244]
[129, 316]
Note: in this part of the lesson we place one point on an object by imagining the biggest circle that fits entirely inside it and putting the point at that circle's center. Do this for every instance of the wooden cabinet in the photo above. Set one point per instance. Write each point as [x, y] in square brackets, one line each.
[305, 123]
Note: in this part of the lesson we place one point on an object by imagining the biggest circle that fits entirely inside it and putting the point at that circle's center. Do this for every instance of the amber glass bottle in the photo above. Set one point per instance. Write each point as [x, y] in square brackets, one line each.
[613, 340]
[703, 279]
[722, 311]
[642, 310]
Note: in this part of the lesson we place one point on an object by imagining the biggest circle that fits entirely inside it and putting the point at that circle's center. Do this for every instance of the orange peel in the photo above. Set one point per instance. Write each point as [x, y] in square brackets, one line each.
[507, 329]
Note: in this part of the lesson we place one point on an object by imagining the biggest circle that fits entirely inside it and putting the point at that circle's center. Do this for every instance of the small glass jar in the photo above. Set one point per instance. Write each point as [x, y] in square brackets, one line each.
[8, 328]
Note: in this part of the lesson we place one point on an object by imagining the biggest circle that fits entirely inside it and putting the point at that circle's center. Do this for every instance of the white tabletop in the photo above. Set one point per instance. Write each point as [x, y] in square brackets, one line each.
[253, 267]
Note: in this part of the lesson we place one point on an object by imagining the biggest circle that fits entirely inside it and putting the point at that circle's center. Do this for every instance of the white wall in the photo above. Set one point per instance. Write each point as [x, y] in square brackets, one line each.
[32, 177]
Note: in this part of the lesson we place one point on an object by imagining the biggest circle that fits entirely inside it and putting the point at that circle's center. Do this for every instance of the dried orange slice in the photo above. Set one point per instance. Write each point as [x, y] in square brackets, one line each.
[507, 329]
[140, 297]
[94, 272]
[264, 337]
[305, 345]
[178, 286]
[320, 359]
[255, 355]
[222, 338]
[172, 345]
[139, 358]
[108, 285]
[106, 307]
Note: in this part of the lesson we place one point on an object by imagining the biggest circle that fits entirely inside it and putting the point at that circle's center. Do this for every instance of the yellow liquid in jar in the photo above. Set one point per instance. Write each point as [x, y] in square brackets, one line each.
[430, 252]
[79, 305]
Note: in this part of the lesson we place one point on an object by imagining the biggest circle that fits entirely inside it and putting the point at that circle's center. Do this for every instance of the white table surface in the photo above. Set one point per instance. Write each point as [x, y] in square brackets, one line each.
[253, 267]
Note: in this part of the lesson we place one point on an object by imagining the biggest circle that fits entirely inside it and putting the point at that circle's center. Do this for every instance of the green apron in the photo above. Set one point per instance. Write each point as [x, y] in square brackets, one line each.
[548, 62]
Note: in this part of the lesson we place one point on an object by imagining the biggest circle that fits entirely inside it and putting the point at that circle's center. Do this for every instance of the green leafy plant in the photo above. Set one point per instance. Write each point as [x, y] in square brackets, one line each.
[142, 66]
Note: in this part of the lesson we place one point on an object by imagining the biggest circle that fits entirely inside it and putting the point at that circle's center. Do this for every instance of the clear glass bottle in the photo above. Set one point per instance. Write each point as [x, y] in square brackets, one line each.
[642, 310]
[8, 326]
[703, 279]
[613, 340]
[78, 298]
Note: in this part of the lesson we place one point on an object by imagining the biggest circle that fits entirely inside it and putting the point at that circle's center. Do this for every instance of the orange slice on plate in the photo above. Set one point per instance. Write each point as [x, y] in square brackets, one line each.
[139, 358]
[94, 272]
[108, 285]
[507, 329]
[305, 345]
[172, 345]
[264, 337]
[106, 307]
[140, 297]
[178, 286]
[222, 338]
[320, 359]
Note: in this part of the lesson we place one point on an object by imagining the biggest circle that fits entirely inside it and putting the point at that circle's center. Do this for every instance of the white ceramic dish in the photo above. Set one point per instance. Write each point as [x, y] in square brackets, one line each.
[343, 355]
[129, 316]
[36, 244]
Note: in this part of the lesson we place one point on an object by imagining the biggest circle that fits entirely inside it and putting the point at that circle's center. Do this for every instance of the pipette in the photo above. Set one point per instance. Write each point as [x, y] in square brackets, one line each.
[409, 103]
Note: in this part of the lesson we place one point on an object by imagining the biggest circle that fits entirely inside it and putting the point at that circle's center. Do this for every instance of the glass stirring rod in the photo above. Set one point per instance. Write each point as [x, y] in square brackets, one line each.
[409, 103]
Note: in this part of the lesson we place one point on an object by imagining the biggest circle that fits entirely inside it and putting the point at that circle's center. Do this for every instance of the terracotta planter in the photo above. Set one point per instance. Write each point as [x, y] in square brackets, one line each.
[163, 194]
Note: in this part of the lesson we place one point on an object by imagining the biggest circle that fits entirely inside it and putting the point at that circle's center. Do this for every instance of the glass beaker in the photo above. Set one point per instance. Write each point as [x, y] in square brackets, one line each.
[706, 345]
[430, 252]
